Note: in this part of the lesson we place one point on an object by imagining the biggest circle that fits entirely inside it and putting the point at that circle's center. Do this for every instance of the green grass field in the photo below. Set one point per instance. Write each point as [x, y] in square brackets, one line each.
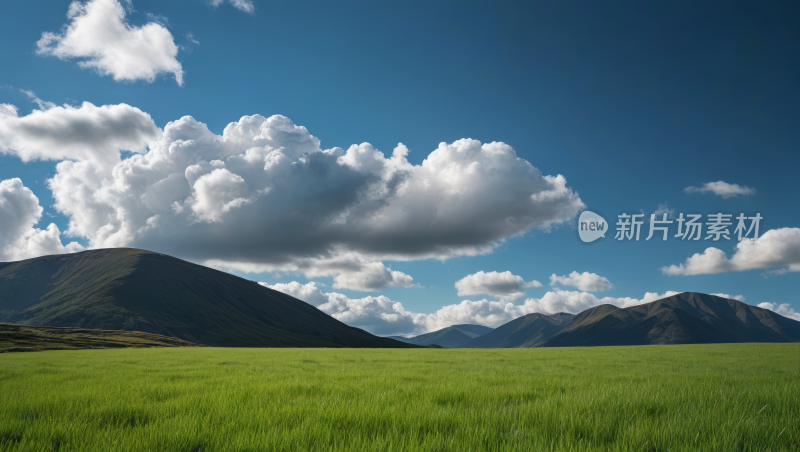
[731, 397]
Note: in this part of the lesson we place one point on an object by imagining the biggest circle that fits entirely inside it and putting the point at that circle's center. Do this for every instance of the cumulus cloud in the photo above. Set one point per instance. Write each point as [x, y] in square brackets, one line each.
[380, 315]
[83, 133]
[721, 188]
[242, 5]
[588, 282]
[19, 212]
[776, 248]
[369, 276]
[782, 309]
[217, 192]
[99, 35]
[264, 196]
[505, 285]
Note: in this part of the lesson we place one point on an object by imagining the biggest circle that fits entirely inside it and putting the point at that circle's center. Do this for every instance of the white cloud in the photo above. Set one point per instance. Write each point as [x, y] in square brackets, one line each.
[349, 271]
[216, 193]
[8, 110]
[19, 212]
[713, 260]
[503, 285]
[264, 196]
[721, 188]
[157, 18]
[732, 297]
[663, 209]
[190, 43]
[371, 276]
[83, 133]
[380, 315]
[590, 282]
[309, 292]
[783, 309]
[43, 105]
[575, 302]
[99, 35]
[776, 248]
[776, 272]
[243, 5]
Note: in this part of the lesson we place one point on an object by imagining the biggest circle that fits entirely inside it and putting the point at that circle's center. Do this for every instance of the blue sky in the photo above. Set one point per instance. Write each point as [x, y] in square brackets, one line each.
[631, 102]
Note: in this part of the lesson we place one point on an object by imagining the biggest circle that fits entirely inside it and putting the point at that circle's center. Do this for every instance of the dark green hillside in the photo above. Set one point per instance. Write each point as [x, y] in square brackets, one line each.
[532, 330]
[135, 290]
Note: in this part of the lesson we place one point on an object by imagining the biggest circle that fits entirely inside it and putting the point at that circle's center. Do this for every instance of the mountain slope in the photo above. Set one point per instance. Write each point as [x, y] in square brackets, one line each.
[686, 318]
[531, 330]
[135, 290]
[26, 338]
[451, 337]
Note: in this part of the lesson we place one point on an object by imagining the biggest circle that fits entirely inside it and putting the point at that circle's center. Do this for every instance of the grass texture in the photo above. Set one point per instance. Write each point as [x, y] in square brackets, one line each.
[725, 397]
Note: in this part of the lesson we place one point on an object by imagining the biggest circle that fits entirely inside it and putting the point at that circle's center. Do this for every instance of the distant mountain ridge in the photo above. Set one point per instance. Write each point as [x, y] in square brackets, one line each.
[686, 318]
[135, 290]
[532, 330]
[451, 337]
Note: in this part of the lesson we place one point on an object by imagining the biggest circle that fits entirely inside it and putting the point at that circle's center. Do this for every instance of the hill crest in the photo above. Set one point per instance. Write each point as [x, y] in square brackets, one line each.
[136, 290]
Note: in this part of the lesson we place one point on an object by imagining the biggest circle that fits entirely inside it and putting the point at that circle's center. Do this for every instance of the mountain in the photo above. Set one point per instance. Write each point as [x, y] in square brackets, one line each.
[134, 290]
[686, 318]
[451, 337]
[531, 330]
[26, 338]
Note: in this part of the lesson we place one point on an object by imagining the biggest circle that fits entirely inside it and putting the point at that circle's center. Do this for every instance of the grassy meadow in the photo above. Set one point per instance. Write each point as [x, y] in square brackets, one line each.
[728, 397]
